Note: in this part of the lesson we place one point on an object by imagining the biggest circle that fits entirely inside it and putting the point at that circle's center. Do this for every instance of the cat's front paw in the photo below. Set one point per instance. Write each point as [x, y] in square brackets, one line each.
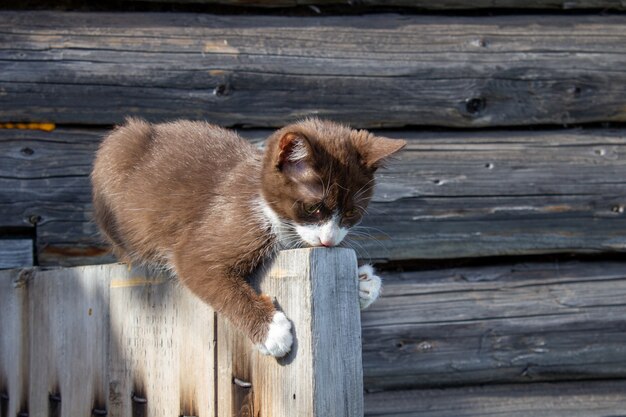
[369, 286]
[279, 339]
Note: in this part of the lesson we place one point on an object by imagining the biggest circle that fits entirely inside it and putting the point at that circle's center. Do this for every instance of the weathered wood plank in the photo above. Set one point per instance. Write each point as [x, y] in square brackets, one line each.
[14, 341]
[571, 399]
[161, 347]
[69, 331]
[424, 4]
[370, 71]
[449, 195]
[507, 323]
[16, 253]
[322, 376]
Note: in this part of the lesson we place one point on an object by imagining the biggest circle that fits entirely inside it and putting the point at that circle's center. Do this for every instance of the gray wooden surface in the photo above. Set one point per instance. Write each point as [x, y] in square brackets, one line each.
[570, 399]
[16, 253]
[14, 342]
[69, 329]
[161, 348]
[448, 195]
[371, 70]
[322, 376]
[506, 323]
[423, 4]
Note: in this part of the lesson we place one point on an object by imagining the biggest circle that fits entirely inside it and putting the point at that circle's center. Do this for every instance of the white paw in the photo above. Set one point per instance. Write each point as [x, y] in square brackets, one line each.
[279, 339]
[369, 286]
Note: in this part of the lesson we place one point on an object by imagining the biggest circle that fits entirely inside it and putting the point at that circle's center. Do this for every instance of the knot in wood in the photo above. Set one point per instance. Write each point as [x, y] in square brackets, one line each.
[475, 105]
[27, 151]
[221, 90]
[34, 219]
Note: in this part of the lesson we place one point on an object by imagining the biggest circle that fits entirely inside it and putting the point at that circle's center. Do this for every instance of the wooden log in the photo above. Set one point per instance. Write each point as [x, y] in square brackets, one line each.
[322, 376]
[16, 253]
[448, 195]
[370, 71]
[571, 399]
[422, 4]
[505, 323]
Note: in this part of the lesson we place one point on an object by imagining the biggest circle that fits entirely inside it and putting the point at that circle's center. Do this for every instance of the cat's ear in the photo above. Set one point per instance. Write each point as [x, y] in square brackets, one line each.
[293, 150]
[380, 148]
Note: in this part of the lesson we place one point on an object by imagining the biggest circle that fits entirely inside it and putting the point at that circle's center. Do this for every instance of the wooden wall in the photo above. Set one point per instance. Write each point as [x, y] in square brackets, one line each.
[501, 228]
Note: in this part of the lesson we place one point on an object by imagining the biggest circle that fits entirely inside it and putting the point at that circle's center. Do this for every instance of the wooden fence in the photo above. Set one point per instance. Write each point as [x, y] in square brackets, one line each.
[110, 340]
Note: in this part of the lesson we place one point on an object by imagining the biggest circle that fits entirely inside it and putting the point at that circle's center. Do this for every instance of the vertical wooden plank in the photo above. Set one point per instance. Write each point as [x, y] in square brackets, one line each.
[161, 347]
[234, 372]
[68, 322]
[14, 341]
[322, 376]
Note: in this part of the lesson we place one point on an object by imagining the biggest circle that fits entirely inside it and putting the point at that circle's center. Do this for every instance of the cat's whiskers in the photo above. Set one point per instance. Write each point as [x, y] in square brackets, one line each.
[364, 229]
[360, 250]
[363, 189]
[366, 236]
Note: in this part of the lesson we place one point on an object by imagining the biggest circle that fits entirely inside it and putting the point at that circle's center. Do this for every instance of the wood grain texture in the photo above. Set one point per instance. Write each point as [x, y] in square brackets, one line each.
[322, 376]
[69, 331]
[448, 195]
[370, 71]
[14, 341]
[571, 399]
[161, 347]
[16, 253]
[506, 323]
[425, 4]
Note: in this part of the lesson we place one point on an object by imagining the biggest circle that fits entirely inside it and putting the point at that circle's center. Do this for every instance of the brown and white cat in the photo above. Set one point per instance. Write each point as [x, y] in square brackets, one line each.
[204, 202]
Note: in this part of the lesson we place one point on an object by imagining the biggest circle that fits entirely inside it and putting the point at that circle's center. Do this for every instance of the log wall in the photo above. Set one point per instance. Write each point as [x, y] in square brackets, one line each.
[371, 71]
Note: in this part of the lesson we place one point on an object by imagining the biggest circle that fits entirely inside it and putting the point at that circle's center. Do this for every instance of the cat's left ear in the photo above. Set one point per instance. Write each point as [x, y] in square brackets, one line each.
[293, 148]
[379, 148]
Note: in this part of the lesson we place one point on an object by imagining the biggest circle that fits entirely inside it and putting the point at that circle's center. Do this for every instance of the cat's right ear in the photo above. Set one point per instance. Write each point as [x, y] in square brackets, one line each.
[293, 151]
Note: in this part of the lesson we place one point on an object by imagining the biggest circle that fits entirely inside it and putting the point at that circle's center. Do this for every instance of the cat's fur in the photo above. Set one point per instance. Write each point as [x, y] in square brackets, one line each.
[207, 204]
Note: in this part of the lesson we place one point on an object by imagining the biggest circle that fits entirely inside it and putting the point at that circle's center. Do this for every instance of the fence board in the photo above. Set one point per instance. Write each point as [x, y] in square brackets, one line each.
[161, 349]
[572, 399]
[506, 323]
[317, 290]
[14, 342]
[370, 71]
[69, 330]
[508, 193]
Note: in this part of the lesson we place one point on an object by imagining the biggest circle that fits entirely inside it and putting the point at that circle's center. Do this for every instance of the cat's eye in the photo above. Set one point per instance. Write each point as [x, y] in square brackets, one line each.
[312, 209]
[350, 213]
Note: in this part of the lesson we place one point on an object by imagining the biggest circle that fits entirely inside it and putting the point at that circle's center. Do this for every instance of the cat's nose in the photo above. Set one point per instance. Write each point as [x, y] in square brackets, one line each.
[327, 243]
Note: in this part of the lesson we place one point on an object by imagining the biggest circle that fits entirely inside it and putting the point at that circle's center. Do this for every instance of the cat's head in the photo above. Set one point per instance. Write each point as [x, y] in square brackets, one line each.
[318, 178]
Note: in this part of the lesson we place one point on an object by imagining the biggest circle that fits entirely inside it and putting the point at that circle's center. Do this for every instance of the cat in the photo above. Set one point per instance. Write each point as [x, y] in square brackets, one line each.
[213, 208]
